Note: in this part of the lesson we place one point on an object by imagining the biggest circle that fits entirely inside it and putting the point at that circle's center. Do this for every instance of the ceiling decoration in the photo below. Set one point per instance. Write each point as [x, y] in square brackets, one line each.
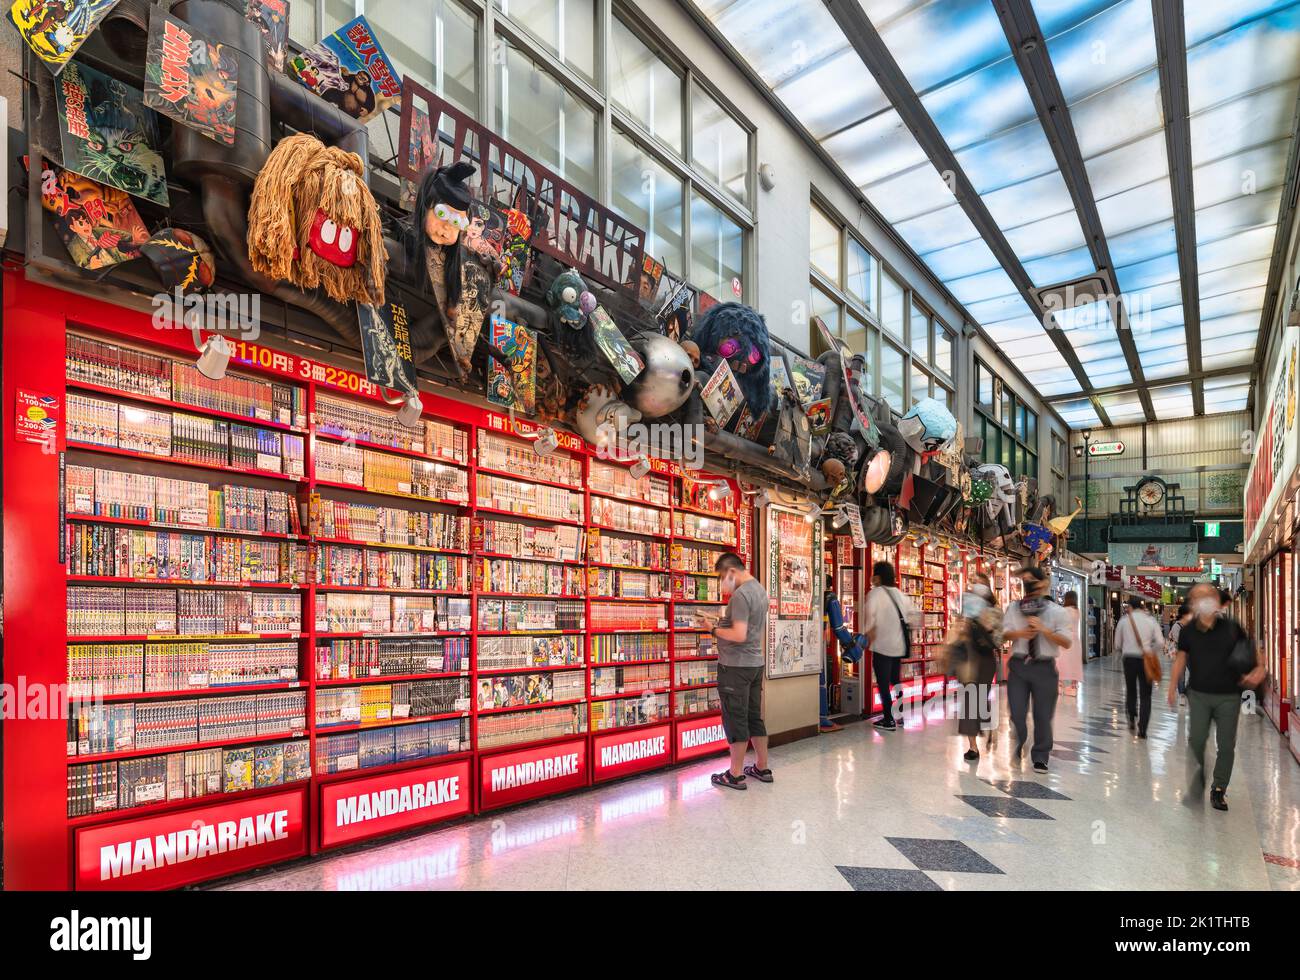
[1019, 146]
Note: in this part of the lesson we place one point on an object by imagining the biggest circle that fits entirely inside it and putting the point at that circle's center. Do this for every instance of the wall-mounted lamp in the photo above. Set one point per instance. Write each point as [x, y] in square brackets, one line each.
[214, 355]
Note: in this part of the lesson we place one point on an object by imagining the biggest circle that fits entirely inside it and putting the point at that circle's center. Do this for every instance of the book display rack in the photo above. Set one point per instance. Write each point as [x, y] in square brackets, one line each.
[280, 605]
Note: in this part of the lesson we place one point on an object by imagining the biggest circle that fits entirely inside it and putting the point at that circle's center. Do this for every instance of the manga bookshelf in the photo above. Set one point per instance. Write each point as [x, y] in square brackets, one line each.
[287, 623]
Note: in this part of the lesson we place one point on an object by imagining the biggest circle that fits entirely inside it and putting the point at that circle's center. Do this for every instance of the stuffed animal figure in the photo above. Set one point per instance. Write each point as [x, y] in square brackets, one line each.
[313, 222]
[461, 284]
[737, 334]
[565, 297]
[929, 427]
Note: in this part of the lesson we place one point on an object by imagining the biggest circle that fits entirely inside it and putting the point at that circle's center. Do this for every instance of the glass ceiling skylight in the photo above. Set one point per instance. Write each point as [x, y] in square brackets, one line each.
[1243, 71]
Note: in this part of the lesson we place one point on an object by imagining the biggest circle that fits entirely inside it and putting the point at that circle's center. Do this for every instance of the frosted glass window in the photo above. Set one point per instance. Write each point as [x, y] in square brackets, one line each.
[650, 196]
[824, 245]
[891, 305]
[644, 85]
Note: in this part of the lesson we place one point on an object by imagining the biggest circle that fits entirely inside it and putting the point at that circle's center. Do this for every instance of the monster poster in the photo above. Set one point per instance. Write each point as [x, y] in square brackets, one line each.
[108, 135]
[272, 18]
[190, 79]
[386, 346]
[422, 155]
[54, 29]
[516, 388]
[350, 70]
[99, 225]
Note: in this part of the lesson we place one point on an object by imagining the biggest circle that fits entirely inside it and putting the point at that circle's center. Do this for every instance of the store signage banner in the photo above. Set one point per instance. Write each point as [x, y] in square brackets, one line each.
[1166, 554]
[36, 417]
[1274, 464]
[360, 808]
[704, 736]
[580, 232]
[192, 845]
[513, 777]
[1105, 448]
[623, 754]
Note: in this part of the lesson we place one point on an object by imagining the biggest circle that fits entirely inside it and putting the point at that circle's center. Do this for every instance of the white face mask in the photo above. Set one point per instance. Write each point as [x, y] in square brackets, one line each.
[1205, 607]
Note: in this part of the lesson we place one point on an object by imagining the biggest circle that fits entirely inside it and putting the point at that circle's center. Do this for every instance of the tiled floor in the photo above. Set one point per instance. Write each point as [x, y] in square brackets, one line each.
[866, 810]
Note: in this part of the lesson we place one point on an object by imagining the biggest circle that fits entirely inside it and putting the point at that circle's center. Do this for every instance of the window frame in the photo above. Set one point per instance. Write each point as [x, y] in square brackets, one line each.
[1023, 450]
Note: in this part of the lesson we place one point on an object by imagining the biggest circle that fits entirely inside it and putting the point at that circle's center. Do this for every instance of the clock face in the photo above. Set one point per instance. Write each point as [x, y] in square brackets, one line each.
[1151, 493]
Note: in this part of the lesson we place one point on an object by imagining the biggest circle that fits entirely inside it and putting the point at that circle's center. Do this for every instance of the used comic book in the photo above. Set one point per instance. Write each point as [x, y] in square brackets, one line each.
[108, 135]
[54, 29]
[517, 342]
[350, 70]
[99, 225]
[190, 79]
[272, 18]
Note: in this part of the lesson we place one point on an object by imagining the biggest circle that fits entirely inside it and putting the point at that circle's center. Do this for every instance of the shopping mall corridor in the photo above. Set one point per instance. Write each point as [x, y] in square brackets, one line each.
[900, 811]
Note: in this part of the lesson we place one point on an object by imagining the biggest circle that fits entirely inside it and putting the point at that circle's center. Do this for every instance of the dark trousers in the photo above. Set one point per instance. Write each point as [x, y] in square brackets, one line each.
[888, 670]
[1225, 711]
[1037, 681]
[1137, 691]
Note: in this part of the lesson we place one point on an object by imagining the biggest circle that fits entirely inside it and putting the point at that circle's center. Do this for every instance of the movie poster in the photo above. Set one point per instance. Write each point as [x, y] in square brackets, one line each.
[721, 394]
[421, 156]
[516, 388]
[652, 270]
[108, 135]
[99, 225]
[794, 542]
[54, 29]
[386, 346]
[190, 79]
[350, 70]
[485, 238]
[808, 378]
[272, 18]
[611, 342]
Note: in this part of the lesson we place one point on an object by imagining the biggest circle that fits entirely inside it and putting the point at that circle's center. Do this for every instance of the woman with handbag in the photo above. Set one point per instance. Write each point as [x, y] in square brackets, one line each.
[973, 661]
[1221, 660]
[1137, 638]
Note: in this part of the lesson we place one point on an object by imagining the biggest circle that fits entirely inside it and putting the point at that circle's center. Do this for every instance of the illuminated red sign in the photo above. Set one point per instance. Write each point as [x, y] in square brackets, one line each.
[621, 754]
[186, 846]
[360, 808]
[704, 736]
[513, 777]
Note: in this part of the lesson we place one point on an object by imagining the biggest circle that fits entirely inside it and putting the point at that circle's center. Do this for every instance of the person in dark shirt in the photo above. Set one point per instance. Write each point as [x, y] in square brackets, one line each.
[1205, 647]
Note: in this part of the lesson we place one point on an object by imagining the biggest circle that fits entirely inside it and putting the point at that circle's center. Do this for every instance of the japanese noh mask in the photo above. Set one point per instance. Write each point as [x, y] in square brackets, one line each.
[314, 223]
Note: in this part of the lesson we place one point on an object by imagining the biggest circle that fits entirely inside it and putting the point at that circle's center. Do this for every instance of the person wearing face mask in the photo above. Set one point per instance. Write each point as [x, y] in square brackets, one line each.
[888, 619]
[1136, 635]
[973, 660]
[740, 633]
[1038, 630]
[1221, 660]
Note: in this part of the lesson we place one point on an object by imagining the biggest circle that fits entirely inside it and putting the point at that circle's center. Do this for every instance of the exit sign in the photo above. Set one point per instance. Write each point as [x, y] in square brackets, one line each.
[1105, 448]
[1211, 529]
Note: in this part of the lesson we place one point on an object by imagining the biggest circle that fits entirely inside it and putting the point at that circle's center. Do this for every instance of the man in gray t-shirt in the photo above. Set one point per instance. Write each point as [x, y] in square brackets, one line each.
[740, 634]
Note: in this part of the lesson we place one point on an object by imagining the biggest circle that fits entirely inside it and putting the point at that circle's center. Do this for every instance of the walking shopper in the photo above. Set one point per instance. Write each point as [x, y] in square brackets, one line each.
[973, 661]
[888, 619]
[739, 633]
[1137, 635]
[1038, 630]
[1221, 660]
[1175, 630]
[851, 646]
[1070, 664]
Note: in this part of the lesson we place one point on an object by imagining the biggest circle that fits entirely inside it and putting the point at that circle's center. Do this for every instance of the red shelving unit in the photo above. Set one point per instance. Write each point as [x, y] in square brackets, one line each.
[330, 808]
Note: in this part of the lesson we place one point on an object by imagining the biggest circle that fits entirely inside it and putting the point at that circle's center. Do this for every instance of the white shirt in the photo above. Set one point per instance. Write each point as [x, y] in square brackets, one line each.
[1055, 619]
[1136, 630]
[880, 620]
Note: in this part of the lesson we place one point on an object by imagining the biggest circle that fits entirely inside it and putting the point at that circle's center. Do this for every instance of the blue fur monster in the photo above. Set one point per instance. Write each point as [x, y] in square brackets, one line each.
[737, 334]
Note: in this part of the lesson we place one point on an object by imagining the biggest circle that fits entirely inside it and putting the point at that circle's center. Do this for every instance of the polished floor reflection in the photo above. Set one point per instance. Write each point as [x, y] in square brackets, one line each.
[859, 809]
